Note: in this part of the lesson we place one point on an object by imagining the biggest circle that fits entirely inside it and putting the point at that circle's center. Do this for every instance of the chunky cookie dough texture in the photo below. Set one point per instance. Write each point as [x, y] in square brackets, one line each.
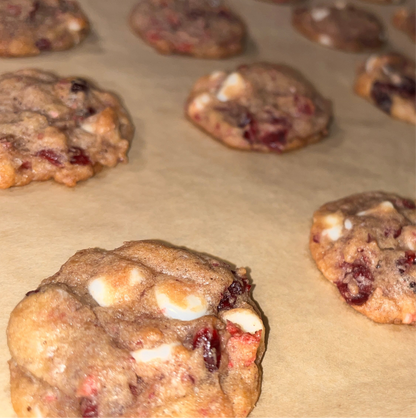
[259, 107]
[388, 81]
[405, 20]
[200, 28]
[365, 244]
[145, 330]
[60, 128]
[340, 26]
[28, 27]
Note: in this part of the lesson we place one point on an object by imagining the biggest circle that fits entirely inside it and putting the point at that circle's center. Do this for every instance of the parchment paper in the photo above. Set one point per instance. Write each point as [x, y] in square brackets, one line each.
[323, 359]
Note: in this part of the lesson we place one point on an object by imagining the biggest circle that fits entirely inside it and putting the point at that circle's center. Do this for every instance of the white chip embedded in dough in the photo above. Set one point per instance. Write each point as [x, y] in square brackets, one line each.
[101, 292]
[191, 306]
[385, 207]
[232, 87]
[136, 277]
[319, 13]
[245, 318]
[348, 224]
[161, 353]
[325, 40]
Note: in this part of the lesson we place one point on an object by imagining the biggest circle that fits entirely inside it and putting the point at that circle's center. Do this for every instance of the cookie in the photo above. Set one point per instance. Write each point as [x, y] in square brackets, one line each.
[405, 20]
[388, 81]
[144, 330]
[340, 26]
[259, 107]
[365, 244]
[200, 28]
[61, 128]
[28, 27]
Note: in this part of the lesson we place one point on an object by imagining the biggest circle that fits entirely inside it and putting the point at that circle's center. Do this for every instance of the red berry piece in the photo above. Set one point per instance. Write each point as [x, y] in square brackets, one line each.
[405, 262]
[315, 238]
[209, 340]
[51, 156]
[26, 165]
[360, 275]
[380, 94]
[134, 390]
[275, 140]
[89, 408]
[78, 156]
[239, 286]
[251, 130]
[43, 44]
[407, 87]
[79, 85]
[406, 203]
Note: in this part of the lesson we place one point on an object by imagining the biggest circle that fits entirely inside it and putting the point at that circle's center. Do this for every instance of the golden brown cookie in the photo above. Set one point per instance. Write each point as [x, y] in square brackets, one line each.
[199, 28]
[365, 244]
[259, 107]
[405, 20]
[340, 26]
[28, 27]
[388, 81]
[144, 330]
[61, 128]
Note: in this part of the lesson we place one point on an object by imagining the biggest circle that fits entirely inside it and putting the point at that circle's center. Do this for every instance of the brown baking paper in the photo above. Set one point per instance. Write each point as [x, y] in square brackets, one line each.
[323, 359]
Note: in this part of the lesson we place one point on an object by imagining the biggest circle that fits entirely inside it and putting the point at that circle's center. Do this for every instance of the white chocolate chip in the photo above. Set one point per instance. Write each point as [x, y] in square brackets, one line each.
[101, 292]
[161, 353]
[232, 87]
[334, 233]
[135, 277]
[325, 40]
[332, 220]
[37, 413]
[88, 127]
[74, 25]
[371, 62]
[384, 207]
[348, 224]
[245, 318]
[216, 75]
[319, 13]
[188, 308]
[200, 102]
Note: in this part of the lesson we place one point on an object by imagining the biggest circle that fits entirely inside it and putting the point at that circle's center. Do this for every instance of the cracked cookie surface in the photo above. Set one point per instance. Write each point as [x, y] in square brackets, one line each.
[200, 28]
[60, 128]
[365, 244]
[341, 26]
[388, 81]
[28, 27]
[259, 107]
[144, 330]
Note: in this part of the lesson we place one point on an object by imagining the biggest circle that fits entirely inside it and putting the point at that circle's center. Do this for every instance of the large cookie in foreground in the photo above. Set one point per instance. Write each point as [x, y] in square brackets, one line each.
[28, 27]
[365, 244]
[145, 330]
[259, 107]
[200, 28]
[340, 26]
[60, 128]
[388, 81]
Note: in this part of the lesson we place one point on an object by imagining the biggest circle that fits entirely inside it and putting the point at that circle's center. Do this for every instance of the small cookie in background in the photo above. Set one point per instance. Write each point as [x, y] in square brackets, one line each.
[259, 107]
[199, 28]
[340, 26]
[365, 245]
[145, 330]
[405, 20]
[388, 81]
[61, 128]
[29, 27]
[282, 2]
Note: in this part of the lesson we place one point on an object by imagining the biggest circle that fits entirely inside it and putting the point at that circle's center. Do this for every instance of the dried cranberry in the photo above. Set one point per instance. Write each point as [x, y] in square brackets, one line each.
[89, 408]
[361, 275]
[209, 340]
[32, 292]
[407, 87]
[251, 131]
[380, 94]
[315, 238]
[239, 286]
[79, 85]
[397, 233]
[43, 44]
[275, 140]
[35, 8]
[405, 262]
[26, 165]
[78, 156]
[134, 390]
[14, 10]
[408, 204]
[51, 156]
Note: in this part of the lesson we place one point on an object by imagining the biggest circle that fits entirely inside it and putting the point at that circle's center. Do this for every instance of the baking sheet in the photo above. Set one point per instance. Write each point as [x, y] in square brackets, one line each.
[323, 359]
